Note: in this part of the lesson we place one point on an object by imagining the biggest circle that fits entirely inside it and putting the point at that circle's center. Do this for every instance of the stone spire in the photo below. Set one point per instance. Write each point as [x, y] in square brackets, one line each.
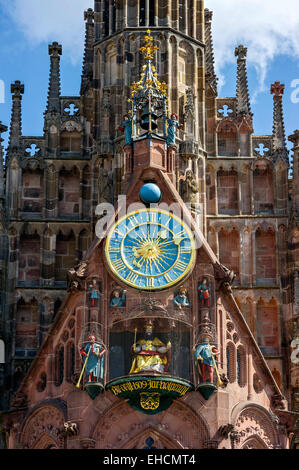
[243, 100]
[210, 60]
[279, 138]
[17, 89]
[87, 72]
[2, 129]
[55, 50]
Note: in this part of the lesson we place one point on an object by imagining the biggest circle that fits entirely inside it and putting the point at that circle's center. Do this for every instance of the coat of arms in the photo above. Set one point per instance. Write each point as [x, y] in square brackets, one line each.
[149, 401]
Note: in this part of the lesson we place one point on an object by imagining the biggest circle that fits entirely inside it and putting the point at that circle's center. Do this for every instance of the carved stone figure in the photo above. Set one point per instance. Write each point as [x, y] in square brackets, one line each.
[94, 289]
[76, 275]
[204, 293]
[190, 188]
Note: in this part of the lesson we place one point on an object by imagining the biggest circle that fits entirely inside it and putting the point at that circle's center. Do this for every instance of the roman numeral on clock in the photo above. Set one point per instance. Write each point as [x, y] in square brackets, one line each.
[119, 265]
[168, 278]
[149, 282]
[186, 250]
[181, 266]
[132, 277]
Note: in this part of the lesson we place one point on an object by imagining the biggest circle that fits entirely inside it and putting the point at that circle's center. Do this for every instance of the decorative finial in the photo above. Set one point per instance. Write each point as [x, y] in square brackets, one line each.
[55, 49]
[89, 15]
[17, 88]
[277, 89]
[148, 49]
[241, 52]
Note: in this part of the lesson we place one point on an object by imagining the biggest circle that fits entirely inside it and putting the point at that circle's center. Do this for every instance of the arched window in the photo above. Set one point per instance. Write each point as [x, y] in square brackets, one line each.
[230, 362]
[70, 366]
[229, 250]
[59, 365]
[241, 367]
[228, 192]
[142, 13]
[29, 260]
[265, 252]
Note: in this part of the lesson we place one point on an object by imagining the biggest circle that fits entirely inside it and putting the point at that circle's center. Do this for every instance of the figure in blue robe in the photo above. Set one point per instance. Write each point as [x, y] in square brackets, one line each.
[94, 368]
[173, 125]
[118, 298]
[204, 360]
[126, 127]
[181, 300]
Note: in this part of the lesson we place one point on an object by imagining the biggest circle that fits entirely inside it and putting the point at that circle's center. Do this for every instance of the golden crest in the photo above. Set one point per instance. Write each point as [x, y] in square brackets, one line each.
[149, 401]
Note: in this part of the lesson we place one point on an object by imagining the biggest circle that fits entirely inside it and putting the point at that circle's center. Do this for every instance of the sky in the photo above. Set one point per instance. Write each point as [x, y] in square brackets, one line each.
[267, 28]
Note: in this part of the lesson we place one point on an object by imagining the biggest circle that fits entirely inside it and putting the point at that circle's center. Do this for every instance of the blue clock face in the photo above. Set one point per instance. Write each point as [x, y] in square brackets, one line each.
[150, 249]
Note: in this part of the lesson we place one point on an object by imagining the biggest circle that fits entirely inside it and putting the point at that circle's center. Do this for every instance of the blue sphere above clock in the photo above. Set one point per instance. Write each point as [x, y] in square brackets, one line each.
[150, 249]
[150, 193]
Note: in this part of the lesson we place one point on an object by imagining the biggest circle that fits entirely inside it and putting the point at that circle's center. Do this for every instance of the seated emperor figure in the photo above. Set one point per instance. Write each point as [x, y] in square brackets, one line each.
[150, 353]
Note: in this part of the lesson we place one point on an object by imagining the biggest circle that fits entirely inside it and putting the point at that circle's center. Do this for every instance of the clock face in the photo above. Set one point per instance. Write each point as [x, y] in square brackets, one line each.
[150, 249]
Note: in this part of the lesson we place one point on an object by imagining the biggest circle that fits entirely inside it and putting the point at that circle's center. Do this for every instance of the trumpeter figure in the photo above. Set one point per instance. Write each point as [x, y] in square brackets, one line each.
[94, 360]
[205, 363]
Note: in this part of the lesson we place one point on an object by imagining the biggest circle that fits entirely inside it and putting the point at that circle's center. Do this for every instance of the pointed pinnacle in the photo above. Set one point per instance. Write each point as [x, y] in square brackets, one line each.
[277, 89]
[55, 49]
[241, 52]
[89, 15]
[17, 88]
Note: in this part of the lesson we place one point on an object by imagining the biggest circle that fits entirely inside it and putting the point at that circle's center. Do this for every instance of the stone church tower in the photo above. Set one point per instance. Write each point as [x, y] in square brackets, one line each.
[149, 113]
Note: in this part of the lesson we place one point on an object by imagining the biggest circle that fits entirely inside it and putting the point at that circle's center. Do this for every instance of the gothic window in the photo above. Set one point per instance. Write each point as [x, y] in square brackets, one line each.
[86, 191]
[182, 24]
[142, 13]
[70, 365]
[32, 191]
[265, 252]
[229, 250]
[263, 189]
[230, 362]
[241, 367]
[26, 328]
[70, 141]
[111, 65]
[59, 365]
[106, 17]
[228, 193]
[65, 255]
[227, 140]
[29, 260]
[69, 193]
[267, 326]
[83, 243]
[152, 13]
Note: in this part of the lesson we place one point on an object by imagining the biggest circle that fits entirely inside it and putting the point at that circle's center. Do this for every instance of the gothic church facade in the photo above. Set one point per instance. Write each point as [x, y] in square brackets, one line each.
[235, 189]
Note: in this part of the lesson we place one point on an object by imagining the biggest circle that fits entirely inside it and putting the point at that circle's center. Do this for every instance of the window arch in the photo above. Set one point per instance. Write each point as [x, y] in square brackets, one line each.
[241, 367]
[70, 360]
[59, 366]
[231, 362]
